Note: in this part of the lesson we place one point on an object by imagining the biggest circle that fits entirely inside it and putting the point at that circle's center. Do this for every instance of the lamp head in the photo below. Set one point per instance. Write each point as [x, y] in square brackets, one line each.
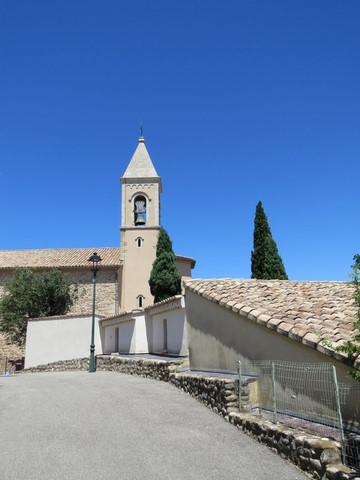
[95, 260]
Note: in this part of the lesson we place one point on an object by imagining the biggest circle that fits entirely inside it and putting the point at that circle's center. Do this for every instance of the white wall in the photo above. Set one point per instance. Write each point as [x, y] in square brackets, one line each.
[142, 331]
[134, 334]
[60, 338]
[109, 339]
[127, 337]
[176, 332]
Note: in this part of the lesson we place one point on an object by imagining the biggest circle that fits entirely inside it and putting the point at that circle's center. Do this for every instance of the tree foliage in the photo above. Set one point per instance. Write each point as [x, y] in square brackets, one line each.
[352, 347]
[165, 278]
[266, 263]
[31, 295]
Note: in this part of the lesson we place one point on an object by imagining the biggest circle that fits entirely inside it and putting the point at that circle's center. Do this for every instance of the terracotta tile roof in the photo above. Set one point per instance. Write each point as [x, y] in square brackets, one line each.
[58, 258]
[308, 312]
[9, 350]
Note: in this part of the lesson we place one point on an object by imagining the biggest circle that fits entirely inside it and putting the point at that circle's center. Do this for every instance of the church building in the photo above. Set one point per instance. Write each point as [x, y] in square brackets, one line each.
[122, 283]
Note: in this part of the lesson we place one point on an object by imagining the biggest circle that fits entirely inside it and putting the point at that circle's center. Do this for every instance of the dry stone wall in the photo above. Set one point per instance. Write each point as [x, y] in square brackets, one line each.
[319, 457]
[218, 394]
[148, 368]
[60, 366]
[106, 290]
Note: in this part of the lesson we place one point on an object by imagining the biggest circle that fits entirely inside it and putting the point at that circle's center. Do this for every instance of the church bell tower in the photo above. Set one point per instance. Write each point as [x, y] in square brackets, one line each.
[140, 224]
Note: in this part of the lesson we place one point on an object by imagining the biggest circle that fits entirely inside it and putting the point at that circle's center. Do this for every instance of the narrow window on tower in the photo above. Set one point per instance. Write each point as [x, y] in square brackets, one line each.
[140, 299]
[140, 210]
[139, 242]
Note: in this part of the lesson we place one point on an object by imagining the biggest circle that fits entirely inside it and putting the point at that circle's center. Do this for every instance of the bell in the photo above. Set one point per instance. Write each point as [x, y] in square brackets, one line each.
[140, 219]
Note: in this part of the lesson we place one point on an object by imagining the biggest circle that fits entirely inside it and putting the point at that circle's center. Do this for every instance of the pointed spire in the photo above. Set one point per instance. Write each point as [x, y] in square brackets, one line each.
[140, 165]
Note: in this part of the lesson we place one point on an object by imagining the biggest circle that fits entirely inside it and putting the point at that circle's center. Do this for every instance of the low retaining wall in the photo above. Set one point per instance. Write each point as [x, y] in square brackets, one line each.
[218, 394]
[142, 367]
[318, 457]
[61, 366]
[147, 368]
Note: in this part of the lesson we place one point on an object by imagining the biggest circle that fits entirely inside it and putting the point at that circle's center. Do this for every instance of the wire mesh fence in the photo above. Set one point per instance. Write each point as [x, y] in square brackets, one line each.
[305, 396]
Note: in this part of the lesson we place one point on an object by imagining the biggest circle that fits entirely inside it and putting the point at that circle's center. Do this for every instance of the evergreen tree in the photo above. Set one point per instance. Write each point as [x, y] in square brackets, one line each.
[31, 295]
[165, 278]
[266, 263]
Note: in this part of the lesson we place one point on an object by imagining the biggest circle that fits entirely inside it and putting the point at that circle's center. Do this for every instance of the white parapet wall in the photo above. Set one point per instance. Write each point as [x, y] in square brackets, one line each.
[126, 333]
[169, 327]
[160, 329]
[51, 339]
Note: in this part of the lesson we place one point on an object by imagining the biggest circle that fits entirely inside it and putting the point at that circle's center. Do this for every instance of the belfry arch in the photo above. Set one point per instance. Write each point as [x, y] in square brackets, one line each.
[140, 209]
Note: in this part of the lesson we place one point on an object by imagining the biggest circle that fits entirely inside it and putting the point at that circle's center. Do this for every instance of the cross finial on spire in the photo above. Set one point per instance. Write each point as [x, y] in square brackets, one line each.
[141, 138]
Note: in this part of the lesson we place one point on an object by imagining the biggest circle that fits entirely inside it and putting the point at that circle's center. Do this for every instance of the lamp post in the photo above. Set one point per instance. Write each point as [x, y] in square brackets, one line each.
[95, 260]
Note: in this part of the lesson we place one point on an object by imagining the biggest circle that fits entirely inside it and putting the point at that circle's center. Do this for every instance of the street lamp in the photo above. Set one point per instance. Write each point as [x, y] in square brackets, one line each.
[95, 260]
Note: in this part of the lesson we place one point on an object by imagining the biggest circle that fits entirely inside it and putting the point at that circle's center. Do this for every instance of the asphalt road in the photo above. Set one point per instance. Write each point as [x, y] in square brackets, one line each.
[105, 425]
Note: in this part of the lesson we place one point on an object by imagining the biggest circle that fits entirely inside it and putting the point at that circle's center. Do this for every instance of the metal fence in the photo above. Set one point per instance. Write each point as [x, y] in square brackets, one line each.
[302, 395]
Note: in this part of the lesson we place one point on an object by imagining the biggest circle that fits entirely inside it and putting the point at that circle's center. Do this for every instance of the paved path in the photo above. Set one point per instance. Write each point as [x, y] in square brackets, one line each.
[105, 425]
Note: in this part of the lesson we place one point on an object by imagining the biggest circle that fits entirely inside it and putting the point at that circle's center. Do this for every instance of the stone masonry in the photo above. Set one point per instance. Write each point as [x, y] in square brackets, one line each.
[106, 290]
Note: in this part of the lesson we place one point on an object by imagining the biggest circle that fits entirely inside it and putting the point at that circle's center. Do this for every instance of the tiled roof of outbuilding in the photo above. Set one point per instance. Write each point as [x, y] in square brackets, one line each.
[308, 312]
[58, 257]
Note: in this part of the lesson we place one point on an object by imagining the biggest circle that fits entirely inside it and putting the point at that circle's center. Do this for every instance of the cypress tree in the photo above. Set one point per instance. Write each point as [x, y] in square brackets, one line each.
[165, 278]
[266, 263]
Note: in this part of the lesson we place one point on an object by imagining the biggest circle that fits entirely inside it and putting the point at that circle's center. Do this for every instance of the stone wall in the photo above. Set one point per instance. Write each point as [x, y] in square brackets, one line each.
[61, 366]
[148, 368]
[106, 290]
[319, 457]
[218, 394]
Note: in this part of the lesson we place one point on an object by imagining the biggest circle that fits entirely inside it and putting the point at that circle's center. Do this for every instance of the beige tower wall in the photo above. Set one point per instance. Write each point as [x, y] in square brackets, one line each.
[150, 190]
[137, 266]
[138, 242]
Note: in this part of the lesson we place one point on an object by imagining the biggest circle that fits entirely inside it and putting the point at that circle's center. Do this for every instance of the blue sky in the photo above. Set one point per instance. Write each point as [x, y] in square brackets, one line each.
[241, 101]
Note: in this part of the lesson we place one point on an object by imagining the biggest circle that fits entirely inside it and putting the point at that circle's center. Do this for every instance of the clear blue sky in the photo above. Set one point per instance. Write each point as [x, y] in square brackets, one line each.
[241, 101]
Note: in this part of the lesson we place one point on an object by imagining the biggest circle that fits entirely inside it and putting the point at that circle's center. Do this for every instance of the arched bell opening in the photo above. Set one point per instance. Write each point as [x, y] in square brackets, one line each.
[139, 210]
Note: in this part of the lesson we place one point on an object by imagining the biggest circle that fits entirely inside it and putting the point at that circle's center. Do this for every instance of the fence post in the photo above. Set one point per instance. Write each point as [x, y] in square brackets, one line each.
[274, 390]
[339, 415]
[240, 385]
